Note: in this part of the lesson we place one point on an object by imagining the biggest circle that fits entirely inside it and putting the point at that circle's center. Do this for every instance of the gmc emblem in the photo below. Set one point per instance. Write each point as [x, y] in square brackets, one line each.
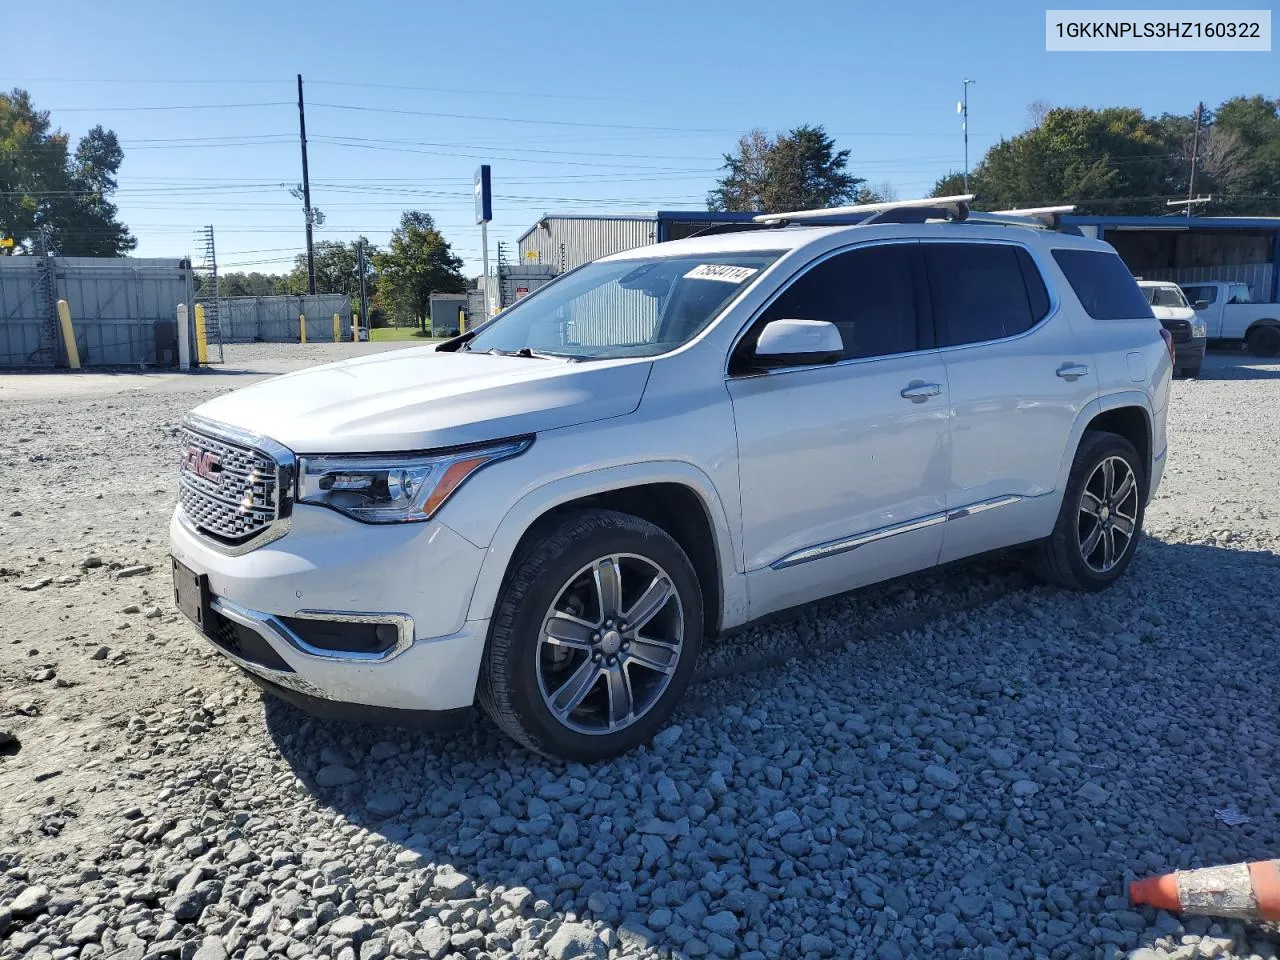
[202, 463]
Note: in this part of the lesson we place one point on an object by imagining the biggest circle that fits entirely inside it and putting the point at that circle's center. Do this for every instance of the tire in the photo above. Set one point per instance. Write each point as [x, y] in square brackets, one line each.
[591, 671]
[1264, 341]
[1064, 557]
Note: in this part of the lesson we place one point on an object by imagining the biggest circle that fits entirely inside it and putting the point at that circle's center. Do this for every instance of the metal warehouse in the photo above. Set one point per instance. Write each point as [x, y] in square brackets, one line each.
[1184, 249]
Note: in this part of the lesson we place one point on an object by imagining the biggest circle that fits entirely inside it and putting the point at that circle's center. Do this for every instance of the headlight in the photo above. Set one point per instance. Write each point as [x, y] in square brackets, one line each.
[1199, 329]
[391, 488]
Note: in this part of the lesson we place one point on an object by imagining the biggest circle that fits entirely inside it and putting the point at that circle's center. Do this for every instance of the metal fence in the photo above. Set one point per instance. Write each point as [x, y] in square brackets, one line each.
[123, 310]
[276, 319]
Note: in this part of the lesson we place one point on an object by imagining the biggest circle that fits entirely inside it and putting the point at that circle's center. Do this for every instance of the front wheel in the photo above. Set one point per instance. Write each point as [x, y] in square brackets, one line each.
[594, 637]
[1100, 520]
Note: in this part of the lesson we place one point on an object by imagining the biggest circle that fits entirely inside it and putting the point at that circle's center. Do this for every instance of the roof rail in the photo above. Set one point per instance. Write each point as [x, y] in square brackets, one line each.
[1044, 217]
[949, 208]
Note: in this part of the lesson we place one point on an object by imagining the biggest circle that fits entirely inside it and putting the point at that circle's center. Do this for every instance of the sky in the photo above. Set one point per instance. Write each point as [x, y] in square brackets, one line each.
[577, 106]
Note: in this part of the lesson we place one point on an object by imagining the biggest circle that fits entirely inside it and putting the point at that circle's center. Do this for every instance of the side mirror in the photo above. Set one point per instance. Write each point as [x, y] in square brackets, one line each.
[1201, 304]
[788, 342]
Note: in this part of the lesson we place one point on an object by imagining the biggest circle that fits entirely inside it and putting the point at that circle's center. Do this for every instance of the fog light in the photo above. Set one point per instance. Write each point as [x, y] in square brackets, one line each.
[344, 636]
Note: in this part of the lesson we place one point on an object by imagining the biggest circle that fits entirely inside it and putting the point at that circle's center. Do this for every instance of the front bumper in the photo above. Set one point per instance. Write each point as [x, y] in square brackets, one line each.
[1189, 353]
[423, 573]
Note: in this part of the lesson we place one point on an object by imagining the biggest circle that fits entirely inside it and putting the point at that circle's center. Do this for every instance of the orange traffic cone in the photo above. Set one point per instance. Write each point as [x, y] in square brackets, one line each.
[1245, 891]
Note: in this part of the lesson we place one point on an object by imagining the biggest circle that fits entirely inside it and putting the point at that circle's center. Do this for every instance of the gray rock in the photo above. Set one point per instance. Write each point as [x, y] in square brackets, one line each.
[817, 943]
[1001, 759]
[1093, 793]
[383, 750]
[666, 739]
[433, 939]
[452, 885]
[383, 802]
[87, 930]
[941, 777]
[723, 923]
[1025, 788]
[573, 940]
[211, 948]
[335, 776]
[355, 929]
[31, 901]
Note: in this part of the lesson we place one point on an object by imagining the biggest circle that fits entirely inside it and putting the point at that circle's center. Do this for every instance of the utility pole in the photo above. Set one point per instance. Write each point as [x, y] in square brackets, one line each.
[1195, 155]
[364, 296]
[963, 109]
[306, 191]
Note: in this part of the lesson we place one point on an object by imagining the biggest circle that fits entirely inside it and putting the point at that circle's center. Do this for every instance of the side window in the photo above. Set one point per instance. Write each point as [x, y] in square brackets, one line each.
[869, 294]
[1239, 294]
[983, 291]
[1103, 284]
[1207, 294]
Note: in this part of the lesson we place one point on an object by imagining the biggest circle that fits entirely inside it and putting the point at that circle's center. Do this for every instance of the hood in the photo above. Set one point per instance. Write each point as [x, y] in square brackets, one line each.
[418, 399]
[1174, 313]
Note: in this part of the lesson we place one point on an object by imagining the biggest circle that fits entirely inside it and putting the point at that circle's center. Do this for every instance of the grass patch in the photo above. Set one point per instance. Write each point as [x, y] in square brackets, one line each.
[390, 334]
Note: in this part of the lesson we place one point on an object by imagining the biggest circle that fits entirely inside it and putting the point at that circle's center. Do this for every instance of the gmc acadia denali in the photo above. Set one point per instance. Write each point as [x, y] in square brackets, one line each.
[549, 513]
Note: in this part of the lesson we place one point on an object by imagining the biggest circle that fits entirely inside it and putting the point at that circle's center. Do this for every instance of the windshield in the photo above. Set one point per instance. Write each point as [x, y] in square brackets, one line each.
[1164, 296]
[623, 308]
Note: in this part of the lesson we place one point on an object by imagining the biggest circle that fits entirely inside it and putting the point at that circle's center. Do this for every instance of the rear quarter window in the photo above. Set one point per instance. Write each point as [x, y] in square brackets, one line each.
[1103, 284]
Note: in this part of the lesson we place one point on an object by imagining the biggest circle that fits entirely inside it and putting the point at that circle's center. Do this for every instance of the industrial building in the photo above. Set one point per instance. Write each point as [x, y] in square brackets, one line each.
[1183, 249]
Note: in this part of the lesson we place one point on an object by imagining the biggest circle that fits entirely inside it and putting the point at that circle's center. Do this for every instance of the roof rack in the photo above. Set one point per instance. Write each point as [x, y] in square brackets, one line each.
[888, 211]
[1046, 217]
[954, 209]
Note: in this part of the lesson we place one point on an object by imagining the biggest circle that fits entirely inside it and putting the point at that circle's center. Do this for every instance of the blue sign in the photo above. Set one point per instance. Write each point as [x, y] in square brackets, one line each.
[484, 195]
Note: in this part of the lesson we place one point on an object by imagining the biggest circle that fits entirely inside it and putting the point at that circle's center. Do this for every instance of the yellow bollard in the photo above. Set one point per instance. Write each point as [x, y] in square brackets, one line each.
[355, 328]
[202, 341]
[462, 321]
[68, 335]
[302, 327]
[337, 328]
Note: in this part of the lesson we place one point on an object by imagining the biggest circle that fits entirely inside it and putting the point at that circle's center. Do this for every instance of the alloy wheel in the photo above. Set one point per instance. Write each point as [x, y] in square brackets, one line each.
[1108, 516]
[610, 644]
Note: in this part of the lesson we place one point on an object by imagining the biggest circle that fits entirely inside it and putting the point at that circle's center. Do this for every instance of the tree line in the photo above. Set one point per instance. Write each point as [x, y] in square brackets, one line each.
[1113, 160]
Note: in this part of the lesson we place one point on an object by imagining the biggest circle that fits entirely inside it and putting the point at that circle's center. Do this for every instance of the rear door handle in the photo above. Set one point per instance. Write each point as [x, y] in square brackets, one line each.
[917, 391]
[1072, 371]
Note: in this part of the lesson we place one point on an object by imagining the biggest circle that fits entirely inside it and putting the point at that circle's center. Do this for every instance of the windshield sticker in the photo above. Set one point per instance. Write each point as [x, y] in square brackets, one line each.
[721, 271]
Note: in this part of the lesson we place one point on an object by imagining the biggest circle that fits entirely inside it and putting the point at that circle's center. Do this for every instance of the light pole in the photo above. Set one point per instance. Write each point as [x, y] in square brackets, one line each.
[962, 108]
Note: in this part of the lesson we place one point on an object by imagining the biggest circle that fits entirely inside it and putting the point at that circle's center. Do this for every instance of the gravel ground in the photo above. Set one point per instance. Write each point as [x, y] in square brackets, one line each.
[960, 764]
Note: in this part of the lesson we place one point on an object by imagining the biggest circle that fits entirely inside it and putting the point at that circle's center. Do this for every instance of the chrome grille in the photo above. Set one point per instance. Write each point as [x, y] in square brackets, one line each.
[227, 490]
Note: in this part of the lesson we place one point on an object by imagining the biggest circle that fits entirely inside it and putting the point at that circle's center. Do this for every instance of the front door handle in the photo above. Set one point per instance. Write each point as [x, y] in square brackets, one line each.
[917, 391]
[1072, 371]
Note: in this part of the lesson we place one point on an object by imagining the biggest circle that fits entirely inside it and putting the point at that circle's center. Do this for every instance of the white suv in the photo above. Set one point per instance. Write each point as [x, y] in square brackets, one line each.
[550, 513]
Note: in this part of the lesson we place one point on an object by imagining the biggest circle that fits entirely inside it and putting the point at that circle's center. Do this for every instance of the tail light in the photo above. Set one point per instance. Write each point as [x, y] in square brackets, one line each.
[1168, 342]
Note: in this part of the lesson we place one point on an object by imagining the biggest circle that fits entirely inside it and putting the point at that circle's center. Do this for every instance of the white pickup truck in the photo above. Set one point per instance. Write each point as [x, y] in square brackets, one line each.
[1229, 313]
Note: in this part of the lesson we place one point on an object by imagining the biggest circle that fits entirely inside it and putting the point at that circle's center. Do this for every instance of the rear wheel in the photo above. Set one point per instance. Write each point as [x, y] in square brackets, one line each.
[594, 638]
[1264, 341]
[1100, 520]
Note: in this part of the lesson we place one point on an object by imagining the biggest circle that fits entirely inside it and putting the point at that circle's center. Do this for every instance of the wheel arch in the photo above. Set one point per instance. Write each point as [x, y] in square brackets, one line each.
[675, 496]
[1127, 413]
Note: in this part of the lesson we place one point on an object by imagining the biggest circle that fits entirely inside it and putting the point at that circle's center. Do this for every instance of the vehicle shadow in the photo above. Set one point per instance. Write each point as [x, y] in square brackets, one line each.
[1236, 365]
[1195, 666]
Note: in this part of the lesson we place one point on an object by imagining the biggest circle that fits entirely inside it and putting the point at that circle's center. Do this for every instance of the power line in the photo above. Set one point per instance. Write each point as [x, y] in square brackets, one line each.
[183, 106]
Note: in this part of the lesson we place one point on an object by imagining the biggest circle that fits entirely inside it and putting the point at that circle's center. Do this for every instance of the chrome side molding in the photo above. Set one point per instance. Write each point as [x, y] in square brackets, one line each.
[845, 544]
